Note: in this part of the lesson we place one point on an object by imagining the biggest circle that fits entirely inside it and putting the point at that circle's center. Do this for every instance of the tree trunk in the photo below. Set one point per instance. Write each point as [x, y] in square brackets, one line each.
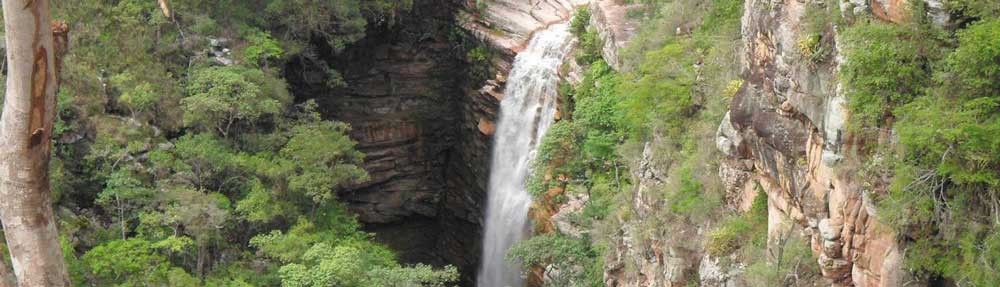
[25, 132]
[200, 266]
[5, 279]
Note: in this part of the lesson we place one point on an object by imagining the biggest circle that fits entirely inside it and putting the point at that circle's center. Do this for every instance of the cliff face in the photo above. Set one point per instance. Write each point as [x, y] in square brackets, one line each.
[424, 122]
[785, 130]
[407, 101]
[428, 133]
[507, 25]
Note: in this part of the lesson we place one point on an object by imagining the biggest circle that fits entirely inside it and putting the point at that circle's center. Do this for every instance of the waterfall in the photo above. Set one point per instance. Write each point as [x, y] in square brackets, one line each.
[526, 112]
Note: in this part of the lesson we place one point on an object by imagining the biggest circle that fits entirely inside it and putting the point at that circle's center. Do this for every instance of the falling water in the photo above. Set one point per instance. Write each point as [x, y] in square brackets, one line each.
[527, 111]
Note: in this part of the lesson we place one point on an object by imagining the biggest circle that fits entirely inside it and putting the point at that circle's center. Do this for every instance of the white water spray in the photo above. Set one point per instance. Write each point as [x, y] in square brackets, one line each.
[527, 111]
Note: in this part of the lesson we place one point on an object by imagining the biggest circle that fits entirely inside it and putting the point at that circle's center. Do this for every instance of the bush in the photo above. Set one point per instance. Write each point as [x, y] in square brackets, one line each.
[974, 67]
[574, 258]
[581, 20]
[946, 172]
[737, 232]
[884, 70]
[261, 49]
[590, 48]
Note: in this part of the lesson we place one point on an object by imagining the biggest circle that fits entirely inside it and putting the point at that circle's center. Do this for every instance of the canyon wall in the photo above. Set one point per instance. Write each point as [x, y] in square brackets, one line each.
[406, 98]
[784, 132]
[428, 133]
[424, 120]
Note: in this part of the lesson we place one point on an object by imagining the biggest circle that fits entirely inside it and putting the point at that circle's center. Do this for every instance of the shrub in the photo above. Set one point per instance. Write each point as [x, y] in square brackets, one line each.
[573, 257]
[946, 172]
[735, 233]
[581, 19]
[261, 49]
[884, 70]
[590, 48]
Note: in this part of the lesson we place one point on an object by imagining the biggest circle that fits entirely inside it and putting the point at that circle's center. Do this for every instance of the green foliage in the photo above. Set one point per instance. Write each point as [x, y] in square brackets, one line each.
[884, 70]
[339, 23]
[814, 43]
[317, 158]
[131, 262]
[667, 99]
[478, 55]
[591, 47]
[946, 177]
[261, 48]
[173, 163]
[336, 254]
[581, 20]
[982, 9]
[736, 232]
[973, 68]
[123, 195]
[221, 97]
[418, 275]
[565, 254]
[558, 147]
[788, 262]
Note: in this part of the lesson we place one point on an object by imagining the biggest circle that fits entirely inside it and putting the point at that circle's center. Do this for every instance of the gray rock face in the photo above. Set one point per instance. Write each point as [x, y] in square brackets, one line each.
[712, 273]
[563, 219]
[827, 231]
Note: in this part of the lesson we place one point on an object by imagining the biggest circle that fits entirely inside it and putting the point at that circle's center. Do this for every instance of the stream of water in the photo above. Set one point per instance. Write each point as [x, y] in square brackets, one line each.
[526, 112]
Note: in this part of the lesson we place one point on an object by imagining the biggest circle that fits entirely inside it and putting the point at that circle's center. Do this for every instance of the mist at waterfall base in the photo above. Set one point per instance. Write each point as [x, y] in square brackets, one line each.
[527, 111]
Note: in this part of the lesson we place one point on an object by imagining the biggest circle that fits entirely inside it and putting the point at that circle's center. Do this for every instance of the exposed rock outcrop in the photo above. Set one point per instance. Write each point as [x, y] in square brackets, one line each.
[611, 20]
[669, 256]
[786, 132]
[507, 25]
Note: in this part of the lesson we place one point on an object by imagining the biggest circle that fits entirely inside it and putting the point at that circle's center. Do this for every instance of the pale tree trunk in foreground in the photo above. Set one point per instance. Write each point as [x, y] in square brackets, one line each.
[25, 131]
[5, 278]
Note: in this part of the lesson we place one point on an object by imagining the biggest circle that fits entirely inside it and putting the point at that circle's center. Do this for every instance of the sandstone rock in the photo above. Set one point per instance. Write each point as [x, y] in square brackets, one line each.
[832, 248]
[791, 120]
[827, 231]
[611, 21]
[834, 269]
[508, 24]
[487, 127]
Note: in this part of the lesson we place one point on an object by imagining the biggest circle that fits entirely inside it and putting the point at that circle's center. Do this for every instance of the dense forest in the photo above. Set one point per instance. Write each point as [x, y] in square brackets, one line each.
[181, 155]
[177, 167]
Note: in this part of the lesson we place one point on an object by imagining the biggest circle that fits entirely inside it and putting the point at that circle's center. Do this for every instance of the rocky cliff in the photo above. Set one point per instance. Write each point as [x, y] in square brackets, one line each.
[427, 134]
[407, 100]
[786, 131]
[425, 119]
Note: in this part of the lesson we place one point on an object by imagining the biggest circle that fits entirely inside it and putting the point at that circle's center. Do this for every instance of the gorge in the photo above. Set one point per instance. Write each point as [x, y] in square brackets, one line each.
[497, 143]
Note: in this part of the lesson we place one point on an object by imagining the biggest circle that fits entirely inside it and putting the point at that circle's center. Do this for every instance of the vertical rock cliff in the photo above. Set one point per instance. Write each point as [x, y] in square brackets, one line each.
[408, 101]
[786, 131]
